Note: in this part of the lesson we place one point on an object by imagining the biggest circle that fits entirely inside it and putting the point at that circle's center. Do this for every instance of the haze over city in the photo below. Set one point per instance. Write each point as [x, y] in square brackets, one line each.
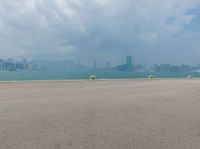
[87, 30]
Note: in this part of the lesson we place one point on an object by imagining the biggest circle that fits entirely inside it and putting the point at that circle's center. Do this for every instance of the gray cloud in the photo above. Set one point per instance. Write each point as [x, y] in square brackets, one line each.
[153, 31]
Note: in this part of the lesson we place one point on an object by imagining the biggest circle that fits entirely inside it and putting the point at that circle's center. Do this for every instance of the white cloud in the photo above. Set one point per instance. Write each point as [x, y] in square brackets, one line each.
[43, 28]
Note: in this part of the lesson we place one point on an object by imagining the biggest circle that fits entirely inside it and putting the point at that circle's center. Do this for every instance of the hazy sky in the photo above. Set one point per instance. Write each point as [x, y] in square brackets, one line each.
[154, 31]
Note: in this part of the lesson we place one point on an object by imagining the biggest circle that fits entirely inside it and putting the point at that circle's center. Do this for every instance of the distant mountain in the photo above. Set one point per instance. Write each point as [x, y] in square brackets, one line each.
[57, 65]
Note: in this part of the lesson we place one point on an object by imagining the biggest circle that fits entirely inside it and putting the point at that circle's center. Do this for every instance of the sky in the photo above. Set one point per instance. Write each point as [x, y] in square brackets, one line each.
[153, 31]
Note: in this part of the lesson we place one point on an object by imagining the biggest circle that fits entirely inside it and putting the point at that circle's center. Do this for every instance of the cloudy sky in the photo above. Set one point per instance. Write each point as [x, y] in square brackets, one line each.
[154, 31]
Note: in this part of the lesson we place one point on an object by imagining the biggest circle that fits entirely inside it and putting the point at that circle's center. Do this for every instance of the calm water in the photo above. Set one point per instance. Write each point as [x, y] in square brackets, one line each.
[71, 75]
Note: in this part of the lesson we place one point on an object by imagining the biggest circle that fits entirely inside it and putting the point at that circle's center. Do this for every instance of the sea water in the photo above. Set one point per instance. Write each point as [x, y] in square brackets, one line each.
[76, 75]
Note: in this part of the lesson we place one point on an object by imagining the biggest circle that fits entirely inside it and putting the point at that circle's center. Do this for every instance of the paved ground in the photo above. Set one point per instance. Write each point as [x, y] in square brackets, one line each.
[123, 114]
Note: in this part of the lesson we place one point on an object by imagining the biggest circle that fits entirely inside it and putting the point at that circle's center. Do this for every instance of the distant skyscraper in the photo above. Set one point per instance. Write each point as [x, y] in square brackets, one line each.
[95, 65]
[1, 64]
[128, 66]
[107, 65]
[129, 63]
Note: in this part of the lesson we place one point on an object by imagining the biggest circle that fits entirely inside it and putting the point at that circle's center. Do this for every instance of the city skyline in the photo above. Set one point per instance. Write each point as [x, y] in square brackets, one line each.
[130, 65]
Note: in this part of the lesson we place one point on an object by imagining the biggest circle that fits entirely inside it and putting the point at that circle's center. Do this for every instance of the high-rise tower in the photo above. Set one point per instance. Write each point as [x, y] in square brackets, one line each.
[129, 63]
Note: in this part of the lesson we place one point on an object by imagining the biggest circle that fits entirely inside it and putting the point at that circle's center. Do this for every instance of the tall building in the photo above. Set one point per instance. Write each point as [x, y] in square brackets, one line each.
[1, 64]
[128, 66]
[107, 65]
[129, 63]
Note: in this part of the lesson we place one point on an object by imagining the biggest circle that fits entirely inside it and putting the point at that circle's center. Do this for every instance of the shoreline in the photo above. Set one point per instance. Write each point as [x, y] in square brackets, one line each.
[96, 80]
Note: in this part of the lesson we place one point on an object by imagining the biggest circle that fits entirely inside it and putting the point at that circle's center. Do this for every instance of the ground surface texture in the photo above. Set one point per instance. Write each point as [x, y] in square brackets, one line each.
[106, 114]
